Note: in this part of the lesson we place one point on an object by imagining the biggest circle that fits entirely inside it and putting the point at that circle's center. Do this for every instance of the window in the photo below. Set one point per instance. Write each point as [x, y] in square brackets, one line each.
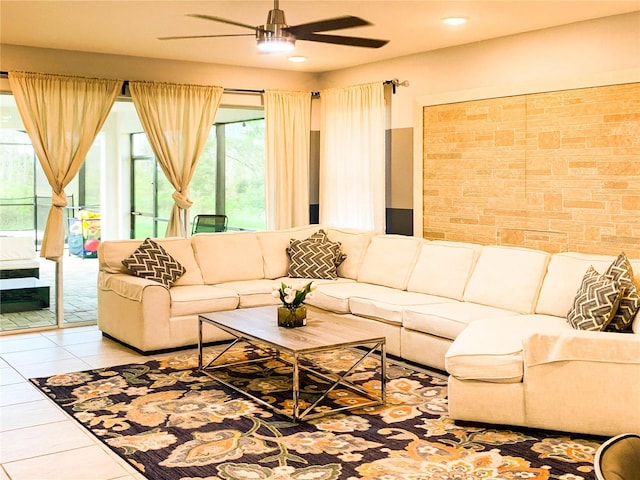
[17, 188]
[229, 179]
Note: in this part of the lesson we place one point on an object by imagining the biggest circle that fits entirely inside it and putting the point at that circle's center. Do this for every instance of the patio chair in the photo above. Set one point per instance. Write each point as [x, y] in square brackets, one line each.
[209, 223]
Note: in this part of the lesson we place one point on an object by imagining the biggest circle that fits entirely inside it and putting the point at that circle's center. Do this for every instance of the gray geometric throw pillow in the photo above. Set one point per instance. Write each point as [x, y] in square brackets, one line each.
[152, 262]
[309, 259]
[621, 271]
[596, 302]
[321, 237]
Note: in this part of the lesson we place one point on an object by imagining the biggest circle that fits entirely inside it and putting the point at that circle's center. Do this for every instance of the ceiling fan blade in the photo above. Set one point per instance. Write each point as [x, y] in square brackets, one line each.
[207, 36]
[221, 20]
[337, 23]
[342, 40]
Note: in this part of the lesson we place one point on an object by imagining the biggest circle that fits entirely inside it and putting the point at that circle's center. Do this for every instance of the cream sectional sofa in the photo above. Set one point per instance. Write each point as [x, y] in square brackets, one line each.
[493, 317]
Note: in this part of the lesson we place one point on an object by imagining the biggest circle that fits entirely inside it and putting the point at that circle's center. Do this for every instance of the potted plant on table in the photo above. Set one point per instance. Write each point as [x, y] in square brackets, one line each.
[293, 312]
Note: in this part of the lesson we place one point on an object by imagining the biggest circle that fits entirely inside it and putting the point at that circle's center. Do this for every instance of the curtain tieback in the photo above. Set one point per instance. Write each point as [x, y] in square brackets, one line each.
[59, 199]
[181, 200]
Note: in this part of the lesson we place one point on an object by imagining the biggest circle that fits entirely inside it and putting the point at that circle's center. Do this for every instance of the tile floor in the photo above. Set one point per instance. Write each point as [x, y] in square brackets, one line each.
[37, 440]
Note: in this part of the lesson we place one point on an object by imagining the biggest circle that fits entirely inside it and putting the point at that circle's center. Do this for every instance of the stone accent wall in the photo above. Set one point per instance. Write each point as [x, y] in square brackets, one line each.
[558, 171]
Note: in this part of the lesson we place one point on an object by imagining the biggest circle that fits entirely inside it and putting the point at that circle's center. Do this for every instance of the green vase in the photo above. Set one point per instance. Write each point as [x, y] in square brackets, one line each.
[292, 317]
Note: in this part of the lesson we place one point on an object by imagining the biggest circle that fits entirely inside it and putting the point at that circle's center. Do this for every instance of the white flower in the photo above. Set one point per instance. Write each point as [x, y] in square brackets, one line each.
[293, 297]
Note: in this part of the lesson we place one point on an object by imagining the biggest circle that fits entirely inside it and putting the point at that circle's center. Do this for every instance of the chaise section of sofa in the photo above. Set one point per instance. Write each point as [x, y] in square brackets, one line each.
[536, 370]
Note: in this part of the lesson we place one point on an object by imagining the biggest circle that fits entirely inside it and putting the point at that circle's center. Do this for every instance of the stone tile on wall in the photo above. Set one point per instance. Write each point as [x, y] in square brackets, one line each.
[558, 171]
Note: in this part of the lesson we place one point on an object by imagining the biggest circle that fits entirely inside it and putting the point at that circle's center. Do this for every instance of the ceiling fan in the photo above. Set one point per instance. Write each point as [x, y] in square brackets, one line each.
[276, 36]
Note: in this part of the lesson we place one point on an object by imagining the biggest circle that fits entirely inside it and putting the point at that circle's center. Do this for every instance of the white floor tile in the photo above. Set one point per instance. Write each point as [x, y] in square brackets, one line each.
[47, 369]
[8, 376]
[3, 474]
[42, 355]
[40, 440]
[18, 393]
[74, 336]
[21, 343]
[113, 359]
[78, 464]
[29, 414]
[99, 347]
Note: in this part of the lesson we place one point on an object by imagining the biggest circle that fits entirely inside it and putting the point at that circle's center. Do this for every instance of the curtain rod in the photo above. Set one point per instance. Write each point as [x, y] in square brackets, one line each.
[394, 83]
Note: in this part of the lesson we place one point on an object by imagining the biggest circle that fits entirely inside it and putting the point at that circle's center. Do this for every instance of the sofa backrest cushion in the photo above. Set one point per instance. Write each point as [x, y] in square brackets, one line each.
[389, 260]
[111, 253]
[274, 244]
[564, 277]
[507, 277]
[228, 256]
[443, 268]
[354, 245]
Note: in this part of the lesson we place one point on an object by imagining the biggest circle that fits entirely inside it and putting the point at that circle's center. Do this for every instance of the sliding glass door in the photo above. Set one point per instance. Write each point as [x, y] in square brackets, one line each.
[229, 180]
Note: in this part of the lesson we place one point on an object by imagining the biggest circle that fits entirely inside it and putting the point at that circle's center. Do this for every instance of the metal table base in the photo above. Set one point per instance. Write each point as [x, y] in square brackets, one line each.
[334, 381]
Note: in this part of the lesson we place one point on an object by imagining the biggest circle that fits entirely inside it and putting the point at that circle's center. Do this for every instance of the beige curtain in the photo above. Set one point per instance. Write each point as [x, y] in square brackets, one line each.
[288, 129]
[62, 116]
[352, 157]
[177, 119]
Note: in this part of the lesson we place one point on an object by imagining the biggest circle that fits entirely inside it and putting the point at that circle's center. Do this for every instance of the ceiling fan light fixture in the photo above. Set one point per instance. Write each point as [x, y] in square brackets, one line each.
[273, 38]
[276, 45]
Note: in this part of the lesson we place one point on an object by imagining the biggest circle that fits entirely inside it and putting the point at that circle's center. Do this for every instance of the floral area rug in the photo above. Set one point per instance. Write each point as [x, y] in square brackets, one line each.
[172, 422]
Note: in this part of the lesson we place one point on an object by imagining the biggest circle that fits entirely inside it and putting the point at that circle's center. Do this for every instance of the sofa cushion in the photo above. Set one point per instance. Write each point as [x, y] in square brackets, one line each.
[17, 248]
[448, 318]
[490, 350]
[595, 303]
[443, 268]
[563, 278]
[228, 256]
[389, 260]
[274, 248]
[332, 295]
[151, 261]
[507, 277]
[196, 299]
[253, 293]
[387, 304]
[354, 245]
[313, 259]
[622, 271]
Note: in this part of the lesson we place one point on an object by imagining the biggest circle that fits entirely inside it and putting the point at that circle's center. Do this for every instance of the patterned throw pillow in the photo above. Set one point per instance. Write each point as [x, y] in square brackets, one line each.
[152, 262]
[621, 271]
[311, 259]
[321, 236]
[596, 302]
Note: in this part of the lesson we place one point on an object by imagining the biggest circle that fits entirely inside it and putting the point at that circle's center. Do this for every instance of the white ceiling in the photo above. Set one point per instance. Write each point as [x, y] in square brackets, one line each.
[129, 27]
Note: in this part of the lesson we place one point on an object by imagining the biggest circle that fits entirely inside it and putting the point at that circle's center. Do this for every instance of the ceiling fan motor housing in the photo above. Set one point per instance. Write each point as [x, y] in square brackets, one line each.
[275, 29]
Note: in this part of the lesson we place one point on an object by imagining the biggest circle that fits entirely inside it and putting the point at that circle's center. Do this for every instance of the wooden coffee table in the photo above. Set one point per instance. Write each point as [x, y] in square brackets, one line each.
[323, 332]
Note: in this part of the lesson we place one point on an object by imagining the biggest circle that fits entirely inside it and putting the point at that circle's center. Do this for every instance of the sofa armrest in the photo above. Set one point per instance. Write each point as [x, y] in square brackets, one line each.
[128, 286]
[584, 346]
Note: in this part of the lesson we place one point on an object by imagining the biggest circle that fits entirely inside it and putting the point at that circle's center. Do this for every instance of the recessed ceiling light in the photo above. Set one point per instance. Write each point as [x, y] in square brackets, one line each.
[297, 59]
[455, 20]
